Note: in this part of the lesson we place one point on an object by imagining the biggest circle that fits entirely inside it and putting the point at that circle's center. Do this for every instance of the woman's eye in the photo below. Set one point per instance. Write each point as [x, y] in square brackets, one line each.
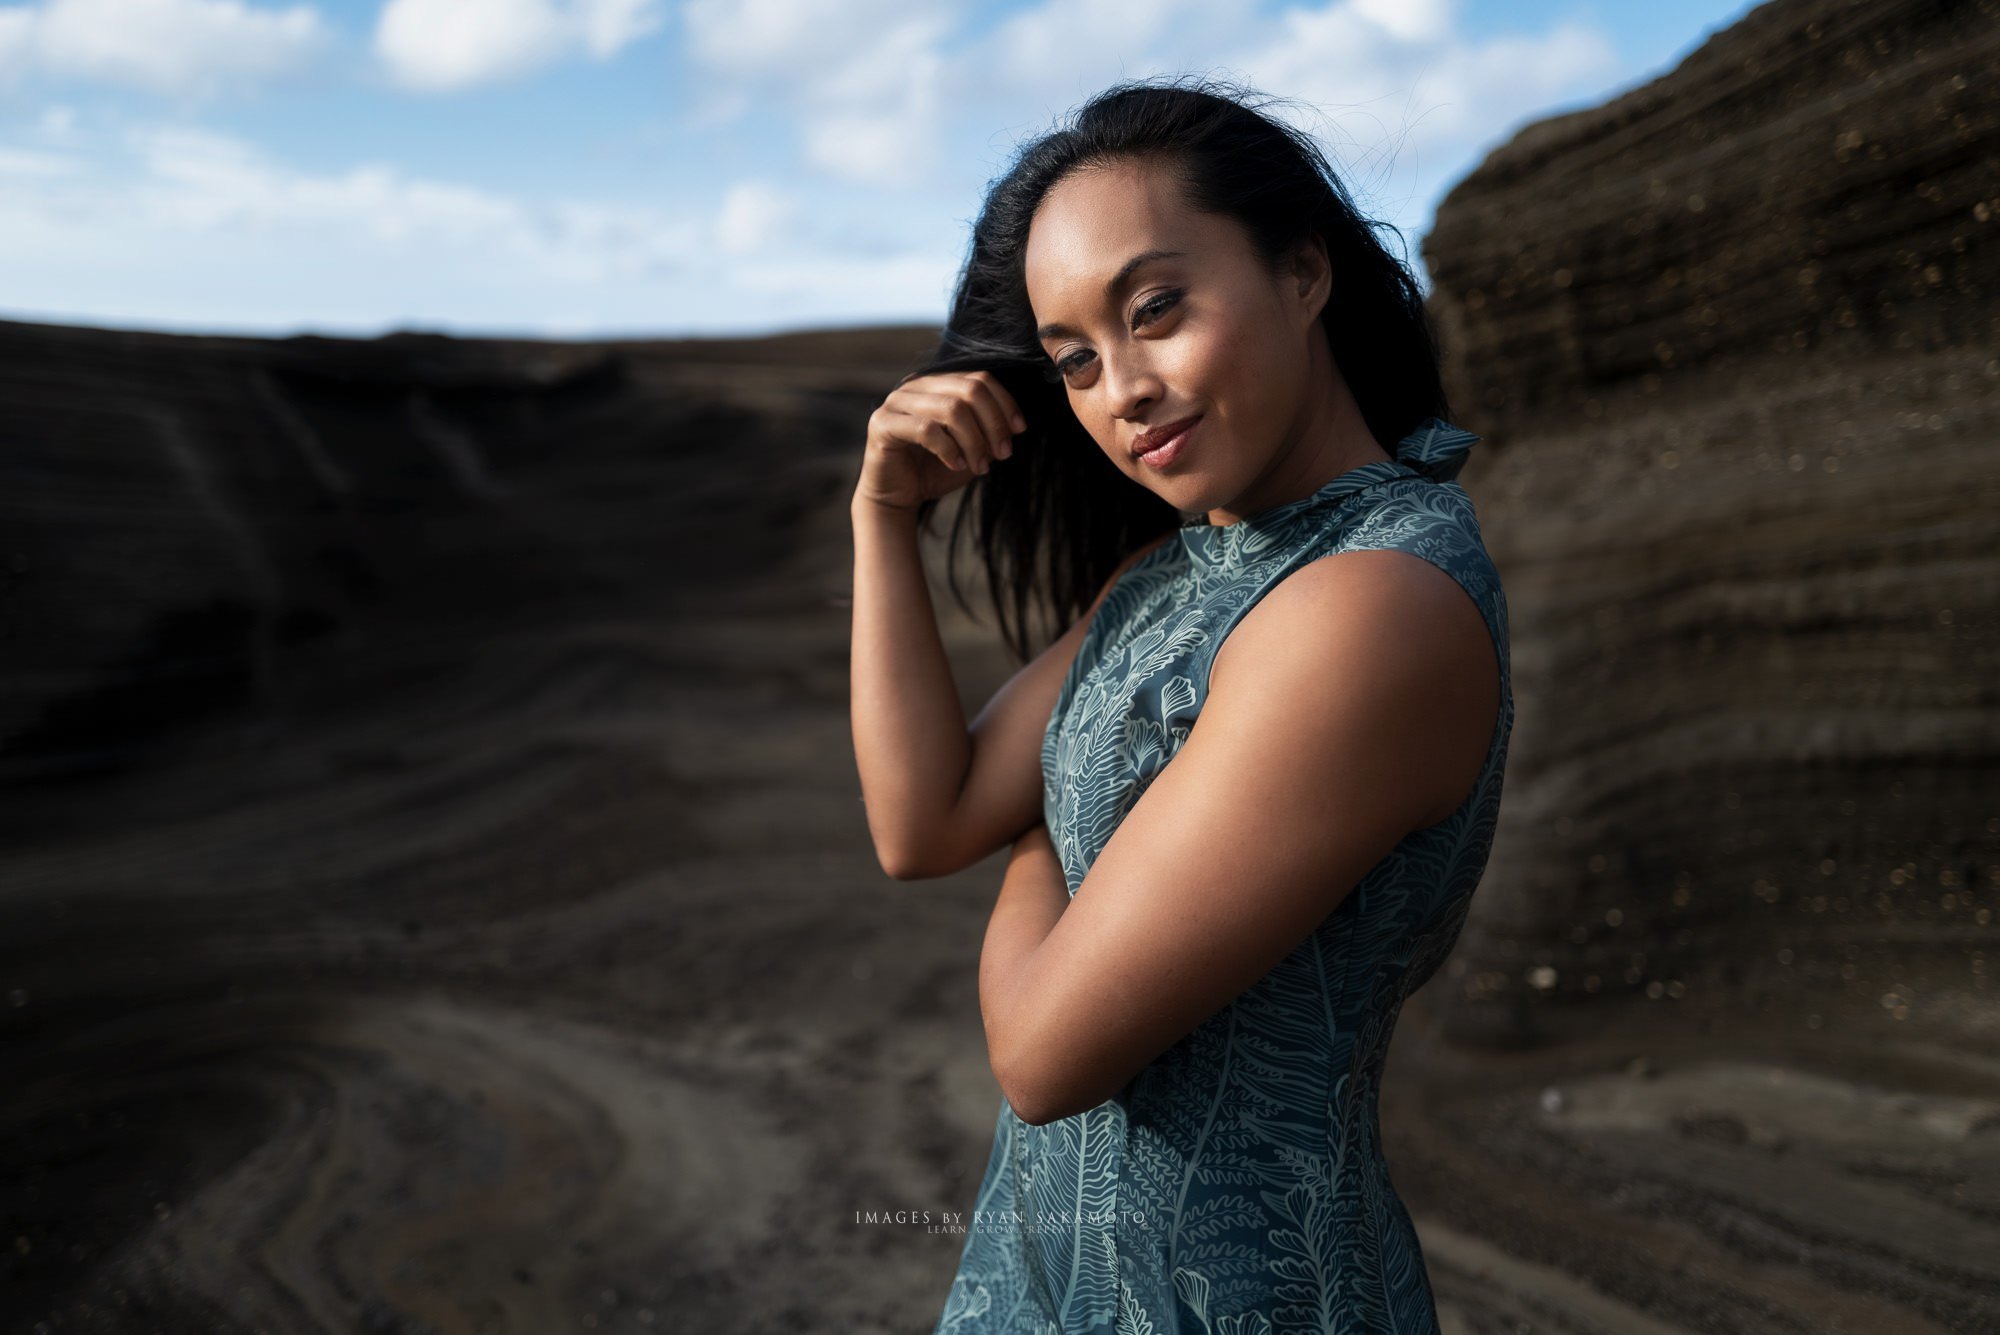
[1153, 308]
[1150, 310]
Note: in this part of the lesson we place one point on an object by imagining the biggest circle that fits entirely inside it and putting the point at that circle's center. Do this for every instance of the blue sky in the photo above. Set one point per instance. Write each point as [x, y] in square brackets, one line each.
[580, 168]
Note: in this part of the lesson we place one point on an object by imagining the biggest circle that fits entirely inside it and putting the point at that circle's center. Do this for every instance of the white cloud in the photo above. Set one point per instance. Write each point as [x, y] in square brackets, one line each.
[446, 45]
[1338, 57]
[57, 122]
[609, 26]
[876, 88]
[894, 284]
[1061, 51]
[865, 80]
[1396, 113]
[17, 41]
[30, 162]
[1484, 89]
[155, 224]
[183, 47]
[1410, 20]
[195, 180]
[198, 180]
[755, 217]
[753, 35]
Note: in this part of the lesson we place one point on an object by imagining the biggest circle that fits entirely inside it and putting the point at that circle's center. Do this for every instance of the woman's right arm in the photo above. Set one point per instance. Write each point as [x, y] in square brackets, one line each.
[940, 796]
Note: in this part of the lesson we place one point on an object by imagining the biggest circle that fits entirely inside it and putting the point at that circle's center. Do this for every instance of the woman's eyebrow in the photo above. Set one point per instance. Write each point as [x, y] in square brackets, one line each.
[1118, 280]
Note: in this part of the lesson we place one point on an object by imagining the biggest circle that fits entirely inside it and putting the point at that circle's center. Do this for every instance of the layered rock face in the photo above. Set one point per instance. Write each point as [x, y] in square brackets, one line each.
[1724, 1011]
[1734, 344]
[191, 518]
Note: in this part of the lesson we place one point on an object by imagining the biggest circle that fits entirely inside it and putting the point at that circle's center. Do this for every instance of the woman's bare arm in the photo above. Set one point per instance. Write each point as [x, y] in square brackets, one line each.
[1034, 892]
[940, 795]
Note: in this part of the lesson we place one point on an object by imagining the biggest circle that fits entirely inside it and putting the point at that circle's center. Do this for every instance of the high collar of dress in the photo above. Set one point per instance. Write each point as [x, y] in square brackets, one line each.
[1435, 450]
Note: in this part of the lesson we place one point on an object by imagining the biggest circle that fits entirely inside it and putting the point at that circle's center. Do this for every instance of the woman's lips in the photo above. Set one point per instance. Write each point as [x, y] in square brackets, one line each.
[1160, 456]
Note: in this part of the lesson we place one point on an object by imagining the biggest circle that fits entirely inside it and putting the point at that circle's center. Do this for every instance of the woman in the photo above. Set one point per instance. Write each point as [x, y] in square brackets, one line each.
[1173, 360]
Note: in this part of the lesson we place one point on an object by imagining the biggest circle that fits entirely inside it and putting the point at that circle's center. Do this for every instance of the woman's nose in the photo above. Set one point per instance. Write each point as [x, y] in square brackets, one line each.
[1133, 386]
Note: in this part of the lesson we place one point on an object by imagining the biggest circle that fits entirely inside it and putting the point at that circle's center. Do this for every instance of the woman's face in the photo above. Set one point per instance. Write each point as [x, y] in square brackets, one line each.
[1199, 327]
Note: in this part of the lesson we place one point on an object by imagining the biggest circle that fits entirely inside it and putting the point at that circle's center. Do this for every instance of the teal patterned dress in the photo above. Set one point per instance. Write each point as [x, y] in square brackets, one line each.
[1236, 1185]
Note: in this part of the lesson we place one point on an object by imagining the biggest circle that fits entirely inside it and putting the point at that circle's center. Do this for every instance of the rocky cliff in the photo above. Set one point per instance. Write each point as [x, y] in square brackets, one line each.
[1734, 344]
[1725, 1010]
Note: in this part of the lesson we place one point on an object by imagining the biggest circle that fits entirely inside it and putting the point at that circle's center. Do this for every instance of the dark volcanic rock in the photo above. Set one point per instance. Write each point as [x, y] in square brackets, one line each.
[1734, 342]
[186, 512]
[1724, 1010]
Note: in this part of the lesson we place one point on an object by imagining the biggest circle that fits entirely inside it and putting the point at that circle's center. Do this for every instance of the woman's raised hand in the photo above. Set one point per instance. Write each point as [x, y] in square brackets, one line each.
[933, 433]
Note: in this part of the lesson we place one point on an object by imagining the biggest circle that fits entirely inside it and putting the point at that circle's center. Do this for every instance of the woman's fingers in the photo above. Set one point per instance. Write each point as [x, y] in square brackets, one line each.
[959, 436]
[941, 440]
[1010, 411]
[967, 419]
[918, 431]
[1003, 417]
[995, 436]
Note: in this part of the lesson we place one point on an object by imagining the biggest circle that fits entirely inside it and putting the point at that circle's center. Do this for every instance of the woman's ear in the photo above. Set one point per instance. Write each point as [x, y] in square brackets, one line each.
[1312, 273]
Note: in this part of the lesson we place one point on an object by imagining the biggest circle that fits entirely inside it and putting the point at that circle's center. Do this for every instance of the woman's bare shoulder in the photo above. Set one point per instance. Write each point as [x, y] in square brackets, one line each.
[1400, 636]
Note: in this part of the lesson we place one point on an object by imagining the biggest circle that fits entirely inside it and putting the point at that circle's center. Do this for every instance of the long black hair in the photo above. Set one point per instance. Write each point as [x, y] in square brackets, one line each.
[1056, 518]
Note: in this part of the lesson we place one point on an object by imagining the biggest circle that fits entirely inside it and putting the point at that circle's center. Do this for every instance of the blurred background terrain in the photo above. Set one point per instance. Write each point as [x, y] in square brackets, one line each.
[434, 895]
